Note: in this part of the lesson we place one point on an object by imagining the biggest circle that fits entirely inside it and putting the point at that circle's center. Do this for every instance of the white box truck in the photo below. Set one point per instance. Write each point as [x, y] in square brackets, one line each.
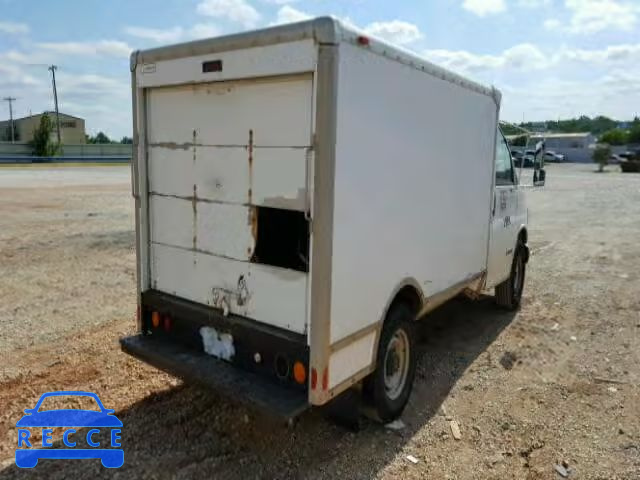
[303, 193]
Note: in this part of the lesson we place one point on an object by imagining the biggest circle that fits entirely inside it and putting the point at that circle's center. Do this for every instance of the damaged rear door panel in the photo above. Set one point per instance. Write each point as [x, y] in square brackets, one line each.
[220, 156]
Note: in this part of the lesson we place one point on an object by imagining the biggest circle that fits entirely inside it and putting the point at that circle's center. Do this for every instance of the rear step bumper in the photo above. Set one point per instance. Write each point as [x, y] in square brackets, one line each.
[249, 388]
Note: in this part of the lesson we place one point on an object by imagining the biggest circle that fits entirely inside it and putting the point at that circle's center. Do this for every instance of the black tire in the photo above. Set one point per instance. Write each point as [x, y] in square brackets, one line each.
[509, 292]
[388, 404]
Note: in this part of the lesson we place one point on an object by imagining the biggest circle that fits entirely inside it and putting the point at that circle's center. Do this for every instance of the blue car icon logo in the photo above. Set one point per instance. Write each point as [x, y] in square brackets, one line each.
[29, 451]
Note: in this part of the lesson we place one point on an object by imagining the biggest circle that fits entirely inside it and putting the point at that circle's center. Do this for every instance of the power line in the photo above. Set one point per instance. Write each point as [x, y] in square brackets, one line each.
[53, 68]
[11, 100]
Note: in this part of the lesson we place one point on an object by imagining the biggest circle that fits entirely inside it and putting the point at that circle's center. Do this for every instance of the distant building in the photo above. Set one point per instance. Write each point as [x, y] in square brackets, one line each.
[71, 128]
[557, 141]
[575, 146]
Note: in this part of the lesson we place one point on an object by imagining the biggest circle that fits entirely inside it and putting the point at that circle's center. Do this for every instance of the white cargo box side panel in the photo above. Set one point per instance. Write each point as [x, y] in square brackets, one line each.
[412, 186]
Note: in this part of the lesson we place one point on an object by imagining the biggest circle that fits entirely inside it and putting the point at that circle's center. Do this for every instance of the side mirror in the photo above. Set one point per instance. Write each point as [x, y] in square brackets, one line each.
[539, 177]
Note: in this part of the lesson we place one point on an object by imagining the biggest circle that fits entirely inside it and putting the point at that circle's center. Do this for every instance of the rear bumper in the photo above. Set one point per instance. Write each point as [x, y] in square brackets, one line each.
[246, 387]
[255, 372]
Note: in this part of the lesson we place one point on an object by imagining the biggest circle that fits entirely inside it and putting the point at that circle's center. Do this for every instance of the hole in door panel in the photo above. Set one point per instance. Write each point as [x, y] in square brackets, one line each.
[282, 239]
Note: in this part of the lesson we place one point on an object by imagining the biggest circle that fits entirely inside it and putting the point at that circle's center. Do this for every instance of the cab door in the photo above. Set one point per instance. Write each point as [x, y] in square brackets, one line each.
[504, 210]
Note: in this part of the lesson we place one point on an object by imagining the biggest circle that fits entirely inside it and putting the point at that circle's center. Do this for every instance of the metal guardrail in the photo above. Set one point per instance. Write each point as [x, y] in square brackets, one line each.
[26, 160]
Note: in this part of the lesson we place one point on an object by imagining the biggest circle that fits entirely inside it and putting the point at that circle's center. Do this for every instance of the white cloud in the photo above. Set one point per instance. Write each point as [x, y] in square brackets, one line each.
[287, 14]
[528, 57]
[160, 35]
[484, 7]
[553, 97]
[533, 3]
[396, 31]
[113, 48]
[235, 10]
[14, 28]
[591, 16]
[203, 30]
[174, 34]
[280, 2]
[552, 24]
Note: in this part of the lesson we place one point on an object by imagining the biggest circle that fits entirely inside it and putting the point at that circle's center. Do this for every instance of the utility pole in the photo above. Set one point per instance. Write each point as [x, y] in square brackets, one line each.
[11, 100]
[53, 68]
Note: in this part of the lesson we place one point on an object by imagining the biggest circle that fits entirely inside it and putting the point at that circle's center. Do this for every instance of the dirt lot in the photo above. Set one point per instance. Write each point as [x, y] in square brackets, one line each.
[558, 381]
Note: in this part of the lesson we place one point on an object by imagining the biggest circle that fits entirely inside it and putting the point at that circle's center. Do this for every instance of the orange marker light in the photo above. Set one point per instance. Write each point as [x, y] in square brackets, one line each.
[155, 319]
[299, 373]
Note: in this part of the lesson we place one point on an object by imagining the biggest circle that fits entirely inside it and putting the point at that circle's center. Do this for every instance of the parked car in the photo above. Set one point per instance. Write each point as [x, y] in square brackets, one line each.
[553, 157]
[615, 159]
[526, 160]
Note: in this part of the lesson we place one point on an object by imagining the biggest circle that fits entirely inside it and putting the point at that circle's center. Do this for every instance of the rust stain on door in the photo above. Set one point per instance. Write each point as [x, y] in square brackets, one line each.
[250, 149]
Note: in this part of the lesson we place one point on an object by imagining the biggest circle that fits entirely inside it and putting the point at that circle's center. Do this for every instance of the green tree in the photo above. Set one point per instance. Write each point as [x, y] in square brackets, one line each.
[101, 138]
[601, 156]
[616, 136]
[634, 132]
[126, 140]
[41, 143]
[519, 141]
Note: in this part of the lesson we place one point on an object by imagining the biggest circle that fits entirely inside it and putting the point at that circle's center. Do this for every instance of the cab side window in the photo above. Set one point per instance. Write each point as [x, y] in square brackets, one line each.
[504, 167]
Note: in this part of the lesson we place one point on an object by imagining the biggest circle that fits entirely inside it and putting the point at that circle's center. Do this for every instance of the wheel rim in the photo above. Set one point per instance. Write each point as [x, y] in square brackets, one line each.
[396, 364]
[517, 277]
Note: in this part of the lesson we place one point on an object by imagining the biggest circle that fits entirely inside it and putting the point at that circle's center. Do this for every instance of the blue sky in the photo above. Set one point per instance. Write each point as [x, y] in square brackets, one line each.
[550, 58]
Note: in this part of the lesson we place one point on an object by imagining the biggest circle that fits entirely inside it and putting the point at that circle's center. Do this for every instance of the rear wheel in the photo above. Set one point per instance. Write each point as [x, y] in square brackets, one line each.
[509, 292]
[387, 389]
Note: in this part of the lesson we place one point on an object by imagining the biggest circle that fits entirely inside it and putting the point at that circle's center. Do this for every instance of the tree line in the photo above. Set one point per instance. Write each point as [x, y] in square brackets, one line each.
[604, 128]
[101, 137]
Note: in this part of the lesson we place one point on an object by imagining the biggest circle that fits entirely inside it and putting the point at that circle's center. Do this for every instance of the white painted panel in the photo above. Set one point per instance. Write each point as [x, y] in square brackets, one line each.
[414, 158]
[172, 221]
[279, 178]
[276, 296]
[223, 174]
[221, 229]
[224, 229]
[351, 359]
[284, 58]
[277, 110]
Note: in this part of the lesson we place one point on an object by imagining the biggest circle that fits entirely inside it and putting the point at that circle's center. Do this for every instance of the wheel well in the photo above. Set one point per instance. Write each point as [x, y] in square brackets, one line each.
[408, 295]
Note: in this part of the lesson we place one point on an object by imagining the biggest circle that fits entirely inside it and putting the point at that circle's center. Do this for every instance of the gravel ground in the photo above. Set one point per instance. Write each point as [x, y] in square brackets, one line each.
[556, 382]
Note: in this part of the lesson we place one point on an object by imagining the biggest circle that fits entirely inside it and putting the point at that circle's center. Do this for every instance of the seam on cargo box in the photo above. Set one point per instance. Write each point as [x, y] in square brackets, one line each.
[322, 218]
[188, 145]
[135, 186]
[266, 202]
[353, 337]
[277, 271]
[352, 380]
